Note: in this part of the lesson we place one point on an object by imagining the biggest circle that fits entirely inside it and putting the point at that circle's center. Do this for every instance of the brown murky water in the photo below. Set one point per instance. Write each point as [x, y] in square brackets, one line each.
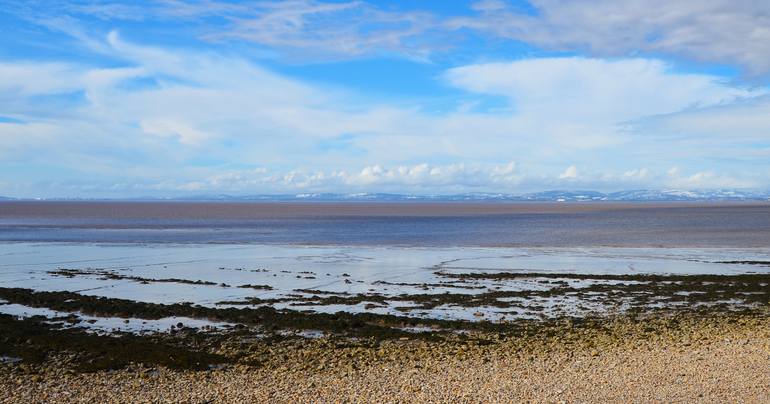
[403, 224]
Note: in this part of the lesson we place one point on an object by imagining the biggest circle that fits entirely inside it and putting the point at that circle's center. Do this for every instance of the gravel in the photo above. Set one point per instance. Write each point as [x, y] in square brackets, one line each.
[731, 364]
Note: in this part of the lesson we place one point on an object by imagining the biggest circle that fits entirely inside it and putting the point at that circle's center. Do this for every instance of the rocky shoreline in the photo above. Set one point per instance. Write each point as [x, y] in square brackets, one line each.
[708, 354]
[668, 338]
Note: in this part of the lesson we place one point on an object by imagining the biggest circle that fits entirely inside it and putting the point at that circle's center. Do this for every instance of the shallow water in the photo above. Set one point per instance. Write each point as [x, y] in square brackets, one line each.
[107, 324]
[407, 259]
[157, 274]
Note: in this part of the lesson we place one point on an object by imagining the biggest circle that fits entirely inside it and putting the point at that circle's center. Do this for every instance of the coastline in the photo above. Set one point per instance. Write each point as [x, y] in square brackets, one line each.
[231, 322]
[694, 356]
[312, 201]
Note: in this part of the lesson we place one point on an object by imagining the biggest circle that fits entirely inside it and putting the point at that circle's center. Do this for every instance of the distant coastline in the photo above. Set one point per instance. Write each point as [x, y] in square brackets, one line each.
[669, 195]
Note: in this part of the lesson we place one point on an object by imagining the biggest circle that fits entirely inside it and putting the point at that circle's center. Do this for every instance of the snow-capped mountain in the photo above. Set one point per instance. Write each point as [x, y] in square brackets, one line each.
[546, 196]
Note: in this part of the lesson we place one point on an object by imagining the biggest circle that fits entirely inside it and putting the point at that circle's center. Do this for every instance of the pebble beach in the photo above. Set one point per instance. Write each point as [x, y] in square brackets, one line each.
[694, 359]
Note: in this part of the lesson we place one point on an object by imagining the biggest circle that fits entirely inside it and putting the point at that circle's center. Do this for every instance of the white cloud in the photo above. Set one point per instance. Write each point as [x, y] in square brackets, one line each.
[421, 177]
[710, 180]
[747, 120]
[29, 79]
[713, 31]
[303, 29]
[586, 104]
[168, 117]
[426, 175]
[637, 174]
[583, 89]
[673, 171]
[319, 29]
[721, 31]
[166, 128]
[570, 173]
[488, 5]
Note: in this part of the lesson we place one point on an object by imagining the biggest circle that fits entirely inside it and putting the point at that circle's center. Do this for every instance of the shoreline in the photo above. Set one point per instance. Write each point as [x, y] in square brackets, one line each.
[710, 356]
[669, 327]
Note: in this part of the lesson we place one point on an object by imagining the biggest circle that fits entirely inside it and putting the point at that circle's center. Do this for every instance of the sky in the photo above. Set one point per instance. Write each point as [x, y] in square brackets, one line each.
[173, 97]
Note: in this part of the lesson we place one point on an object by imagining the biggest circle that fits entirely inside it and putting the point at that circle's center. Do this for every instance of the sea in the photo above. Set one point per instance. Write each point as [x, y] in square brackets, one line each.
[454, 224]
[214, 253]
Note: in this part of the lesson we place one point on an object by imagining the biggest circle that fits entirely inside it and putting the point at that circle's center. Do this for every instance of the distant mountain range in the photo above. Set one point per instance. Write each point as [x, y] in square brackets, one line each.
[547, 196]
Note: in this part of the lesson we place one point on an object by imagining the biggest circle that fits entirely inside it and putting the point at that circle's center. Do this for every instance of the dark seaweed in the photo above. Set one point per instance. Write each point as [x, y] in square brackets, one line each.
[34, 341]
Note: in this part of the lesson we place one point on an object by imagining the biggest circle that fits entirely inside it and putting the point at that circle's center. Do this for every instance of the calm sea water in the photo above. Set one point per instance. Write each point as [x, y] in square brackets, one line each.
[392, 224]
[209, 253]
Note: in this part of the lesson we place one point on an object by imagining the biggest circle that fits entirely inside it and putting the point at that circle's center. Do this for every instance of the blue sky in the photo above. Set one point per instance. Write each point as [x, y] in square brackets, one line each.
[131, 98]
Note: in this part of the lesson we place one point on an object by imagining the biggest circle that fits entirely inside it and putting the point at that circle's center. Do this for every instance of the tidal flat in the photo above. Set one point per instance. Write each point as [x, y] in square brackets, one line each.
[704, 355]
[202, 322]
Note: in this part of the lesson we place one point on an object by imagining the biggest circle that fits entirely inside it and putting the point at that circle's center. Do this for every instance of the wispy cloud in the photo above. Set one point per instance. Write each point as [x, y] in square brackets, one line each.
[142, 116]
[735, 33]
[297, 29]
[721, 31]
[333, 29]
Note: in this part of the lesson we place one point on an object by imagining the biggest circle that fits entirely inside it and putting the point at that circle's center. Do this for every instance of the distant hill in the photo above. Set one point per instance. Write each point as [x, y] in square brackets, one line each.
[545, 196]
